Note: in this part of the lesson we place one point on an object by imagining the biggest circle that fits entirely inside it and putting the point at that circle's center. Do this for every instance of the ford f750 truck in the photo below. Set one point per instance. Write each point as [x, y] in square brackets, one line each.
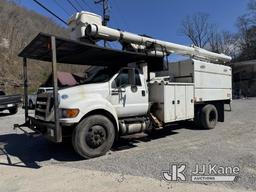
[123, 95]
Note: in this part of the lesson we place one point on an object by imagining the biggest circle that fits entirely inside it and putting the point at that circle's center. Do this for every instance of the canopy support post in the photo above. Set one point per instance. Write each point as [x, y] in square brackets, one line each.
[25, 79]
[57, 130]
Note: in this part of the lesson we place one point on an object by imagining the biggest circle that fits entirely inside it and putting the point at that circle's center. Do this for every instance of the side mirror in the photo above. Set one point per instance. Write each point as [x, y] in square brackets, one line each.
[113, 84]
[131, 76]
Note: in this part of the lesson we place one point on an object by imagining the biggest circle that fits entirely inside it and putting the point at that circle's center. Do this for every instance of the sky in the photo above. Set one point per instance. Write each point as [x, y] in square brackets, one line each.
[160, 19]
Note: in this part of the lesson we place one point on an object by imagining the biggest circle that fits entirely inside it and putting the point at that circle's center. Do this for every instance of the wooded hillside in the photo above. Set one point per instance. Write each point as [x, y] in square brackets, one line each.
[18, 26]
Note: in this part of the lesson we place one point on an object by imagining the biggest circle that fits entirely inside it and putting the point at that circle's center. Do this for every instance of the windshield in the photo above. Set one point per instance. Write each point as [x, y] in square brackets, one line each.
[99, 75]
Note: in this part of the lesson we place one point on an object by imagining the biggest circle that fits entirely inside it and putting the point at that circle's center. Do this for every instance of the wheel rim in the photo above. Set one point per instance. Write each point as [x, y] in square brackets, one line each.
[212, 117]
[96, 136]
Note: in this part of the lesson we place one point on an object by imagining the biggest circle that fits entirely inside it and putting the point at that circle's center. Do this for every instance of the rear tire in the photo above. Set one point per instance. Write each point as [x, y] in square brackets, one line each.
[93, 136]
[208, 116]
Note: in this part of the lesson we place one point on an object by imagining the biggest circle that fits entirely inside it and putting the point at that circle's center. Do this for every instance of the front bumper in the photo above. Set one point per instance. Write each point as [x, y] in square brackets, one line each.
[47, 129]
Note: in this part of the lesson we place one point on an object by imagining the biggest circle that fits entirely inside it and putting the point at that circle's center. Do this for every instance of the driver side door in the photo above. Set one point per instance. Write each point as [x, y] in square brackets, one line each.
[129, 98]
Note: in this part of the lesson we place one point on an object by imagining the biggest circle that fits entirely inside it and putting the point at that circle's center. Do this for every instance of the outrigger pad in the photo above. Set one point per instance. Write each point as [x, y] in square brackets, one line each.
[76, 52]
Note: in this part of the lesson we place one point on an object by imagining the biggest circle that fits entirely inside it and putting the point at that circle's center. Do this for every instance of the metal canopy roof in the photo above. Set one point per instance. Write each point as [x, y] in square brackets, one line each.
[75, 52]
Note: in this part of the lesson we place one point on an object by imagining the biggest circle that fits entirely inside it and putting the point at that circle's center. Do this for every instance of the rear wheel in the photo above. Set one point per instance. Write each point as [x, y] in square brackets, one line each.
[93, 136]
[208, 116]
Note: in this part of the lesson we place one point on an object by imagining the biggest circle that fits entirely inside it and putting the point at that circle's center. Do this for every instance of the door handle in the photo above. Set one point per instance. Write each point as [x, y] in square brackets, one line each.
[143, 93]
[116, 92]
[178, 102]
[121, 91]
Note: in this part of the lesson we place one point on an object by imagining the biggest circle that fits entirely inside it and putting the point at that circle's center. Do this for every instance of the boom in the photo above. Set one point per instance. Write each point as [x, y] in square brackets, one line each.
[96, 30]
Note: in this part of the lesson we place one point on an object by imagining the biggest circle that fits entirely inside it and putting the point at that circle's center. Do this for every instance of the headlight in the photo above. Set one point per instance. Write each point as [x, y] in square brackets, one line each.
[70, 113]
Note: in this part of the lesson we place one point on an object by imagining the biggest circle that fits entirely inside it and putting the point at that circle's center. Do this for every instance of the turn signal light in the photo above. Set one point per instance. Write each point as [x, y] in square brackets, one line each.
[70, 113]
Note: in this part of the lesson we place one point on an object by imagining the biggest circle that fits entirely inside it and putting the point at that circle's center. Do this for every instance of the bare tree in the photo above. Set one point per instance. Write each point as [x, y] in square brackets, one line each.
[224, 42]
[251, 15]
[205, 34]
[197, 28]
[247, 32]
[252, 6]
[248, 44]
[243, 25]
[215, 43]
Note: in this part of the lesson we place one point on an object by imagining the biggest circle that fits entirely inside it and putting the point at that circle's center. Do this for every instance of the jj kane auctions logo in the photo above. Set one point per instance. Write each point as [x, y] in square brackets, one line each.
[201, 173]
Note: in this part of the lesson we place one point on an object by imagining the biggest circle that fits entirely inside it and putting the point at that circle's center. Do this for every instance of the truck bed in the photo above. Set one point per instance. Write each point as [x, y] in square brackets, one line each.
[211, 81]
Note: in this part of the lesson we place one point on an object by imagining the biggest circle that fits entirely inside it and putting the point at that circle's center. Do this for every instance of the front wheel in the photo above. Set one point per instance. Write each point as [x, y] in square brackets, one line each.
[13, 110]
[93, 136]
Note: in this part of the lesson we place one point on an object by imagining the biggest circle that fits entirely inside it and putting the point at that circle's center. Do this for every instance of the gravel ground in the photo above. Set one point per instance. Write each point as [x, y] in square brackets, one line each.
[230, 144]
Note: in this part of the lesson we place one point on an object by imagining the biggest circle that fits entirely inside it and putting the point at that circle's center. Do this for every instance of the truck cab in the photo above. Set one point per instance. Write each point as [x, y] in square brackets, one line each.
[111, 96]
[121, 92]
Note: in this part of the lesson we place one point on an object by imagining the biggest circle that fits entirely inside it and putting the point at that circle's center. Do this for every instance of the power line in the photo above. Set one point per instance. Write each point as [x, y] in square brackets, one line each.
[87, 5]
[62, 7]
[72, 5]
[49, 11]
[79, 5]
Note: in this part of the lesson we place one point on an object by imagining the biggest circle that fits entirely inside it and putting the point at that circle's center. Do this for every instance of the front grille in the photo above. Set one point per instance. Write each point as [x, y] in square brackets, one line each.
[42, 106]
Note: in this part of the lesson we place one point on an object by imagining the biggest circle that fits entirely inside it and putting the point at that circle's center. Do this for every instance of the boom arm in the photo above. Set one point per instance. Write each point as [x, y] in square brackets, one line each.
[87, 24]
[106, 33]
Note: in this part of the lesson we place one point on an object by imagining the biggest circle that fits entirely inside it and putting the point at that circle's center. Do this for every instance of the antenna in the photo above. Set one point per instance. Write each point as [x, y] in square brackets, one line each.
[106, 15]
[72, 5]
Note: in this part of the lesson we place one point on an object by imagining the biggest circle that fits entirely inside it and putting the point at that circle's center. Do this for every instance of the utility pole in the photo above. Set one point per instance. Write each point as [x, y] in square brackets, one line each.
[106, 15]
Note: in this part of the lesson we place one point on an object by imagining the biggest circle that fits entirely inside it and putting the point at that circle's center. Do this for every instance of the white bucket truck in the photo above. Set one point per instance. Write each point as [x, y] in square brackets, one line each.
[117, 99]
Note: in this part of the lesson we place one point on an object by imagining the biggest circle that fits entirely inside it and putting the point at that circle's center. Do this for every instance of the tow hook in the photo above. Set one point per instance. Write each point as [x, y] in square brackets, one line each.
[17, 126]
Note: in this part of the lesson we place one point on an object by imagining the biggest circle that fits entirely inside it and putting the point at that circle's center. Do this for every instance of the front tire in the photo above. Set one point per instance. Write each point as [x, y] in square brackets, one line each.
[13, 110]
[93, 136]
